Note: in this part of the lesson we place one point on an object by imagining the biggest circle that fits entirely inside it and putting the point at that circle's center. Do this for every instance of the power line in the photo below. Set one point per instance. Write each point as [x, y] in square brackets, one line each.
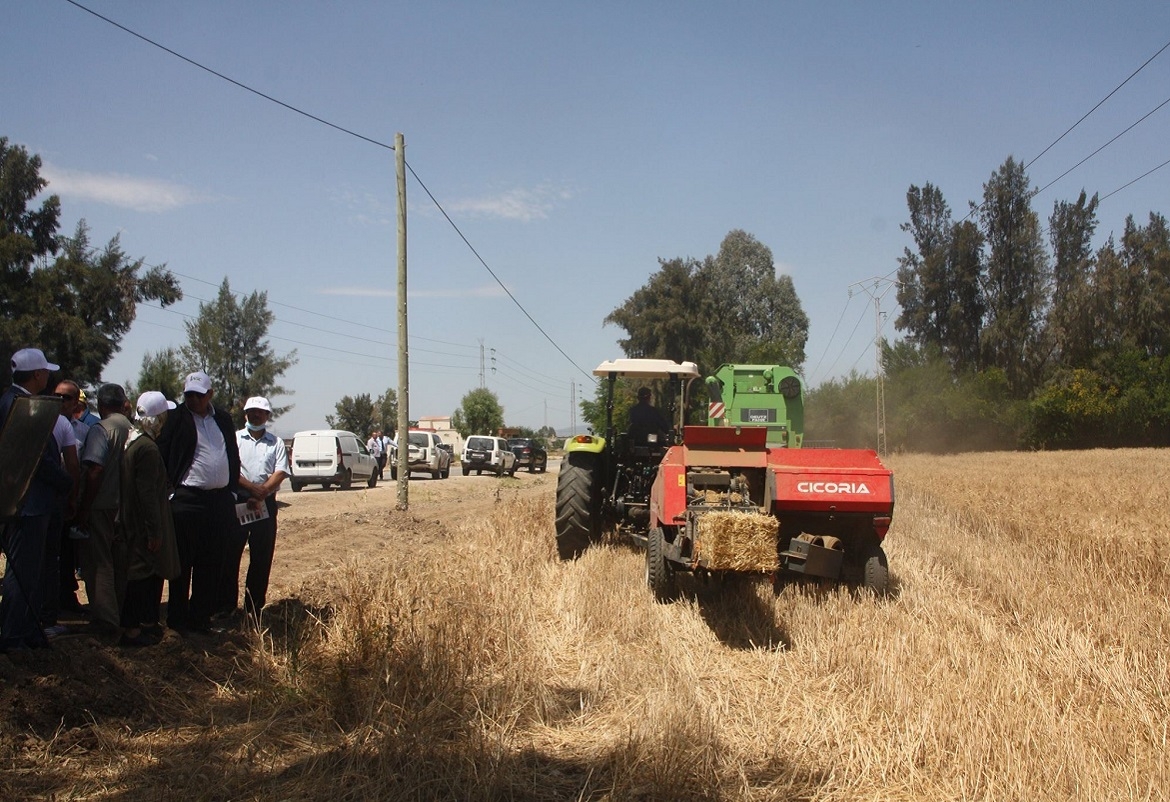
[976, 207]
[852, 334]
[391, 360]
[233, 81]
[342, 129]
[1134, 181]
[530, 374]
[1098, 150]
[239, 293]
[471, 247]
[833, 336]
[1099, 104]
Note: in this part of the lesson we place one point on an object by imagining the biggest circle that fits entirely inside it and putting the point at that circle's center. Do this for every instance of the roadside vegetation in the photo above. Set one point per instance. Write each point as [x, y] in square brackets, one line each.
[1020, 655]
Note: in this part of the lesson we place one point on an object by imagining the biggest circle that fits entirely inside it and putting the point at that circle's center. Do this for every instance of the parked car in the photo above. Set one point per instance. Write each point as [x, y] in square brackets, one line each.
[483, 453]
[529, 454]
[330, 457]
[426, 453]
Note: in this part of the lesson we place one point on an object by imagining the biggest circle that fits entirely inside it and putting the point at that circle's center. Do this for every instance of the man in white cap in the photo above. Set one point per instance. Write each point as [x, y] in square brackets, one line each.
[147, 524]
[198, 445]
[263, 466]
[24, 537]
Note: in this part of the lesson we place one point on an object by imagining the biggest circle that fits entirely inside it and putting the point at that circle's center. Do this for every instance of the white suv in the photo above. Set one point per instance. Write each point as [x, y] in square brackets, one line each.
[482, 453]
[425, 454]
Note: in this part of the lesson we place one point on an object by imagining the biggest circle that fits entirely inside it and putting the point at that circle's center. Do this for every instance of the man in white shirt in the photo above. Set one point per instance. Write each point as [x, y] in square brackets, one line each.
[377, 450]
[198, 444]
[263, 466]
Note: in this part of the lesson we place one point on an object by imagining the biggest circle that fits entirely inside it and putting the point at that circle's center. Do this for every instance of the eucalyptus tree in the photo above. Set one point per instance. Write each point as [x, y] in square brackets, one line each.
[1072, 322]
[1015, 278]
[73, 300]
[730, 307]
[938, 282]
[666, 317]
[228, 339]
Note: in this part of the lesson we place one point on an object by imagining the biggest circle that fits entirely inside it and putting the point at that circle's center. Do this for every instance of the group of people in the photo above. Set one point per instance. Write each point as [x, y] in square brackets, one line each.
[381, 448]
[144, 494]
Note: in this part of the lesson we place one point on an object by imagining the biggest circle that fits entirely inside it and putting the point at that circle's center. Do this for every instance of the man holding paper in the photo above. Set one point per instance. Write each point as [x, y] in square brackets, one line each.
[263, 466]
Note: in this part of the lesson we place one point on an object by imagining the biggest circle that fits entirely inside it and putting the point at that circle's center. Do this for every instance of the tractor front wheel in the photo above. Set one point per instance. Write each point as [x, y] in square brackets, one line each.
[578, 519]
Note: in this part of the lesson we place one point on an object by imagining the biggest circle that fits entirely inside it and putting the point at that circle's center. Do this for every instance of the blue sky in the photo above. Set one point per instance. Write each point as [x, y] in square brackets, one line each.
[574, 144]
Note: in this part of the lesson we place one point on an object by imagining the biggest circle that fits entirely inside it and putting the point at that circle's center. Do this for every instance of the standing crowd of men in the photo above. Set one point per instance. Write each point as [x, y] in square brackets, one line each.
[142, 494]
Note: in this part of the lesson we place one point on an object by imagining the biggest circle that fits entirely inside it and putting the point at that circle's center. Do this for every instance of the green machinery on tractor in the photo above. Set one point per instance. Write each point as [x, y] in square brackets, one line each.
[738, 495]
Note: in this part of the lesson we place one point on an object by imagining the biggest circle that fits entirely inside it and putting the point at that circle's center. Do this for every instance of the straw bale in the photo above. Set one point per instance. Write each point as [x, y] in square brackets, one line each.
[737, 541]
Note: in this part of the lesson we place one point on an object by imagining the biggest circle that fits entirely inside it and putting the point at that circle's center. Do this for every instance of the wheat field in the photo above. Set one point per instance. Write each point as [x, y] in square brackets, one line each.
[1020, 655]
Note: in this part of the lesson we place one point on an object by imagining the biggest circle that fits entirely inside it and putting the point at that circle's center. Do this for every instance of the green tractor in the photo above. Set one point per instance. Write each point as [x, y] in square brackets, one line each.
[607, 479]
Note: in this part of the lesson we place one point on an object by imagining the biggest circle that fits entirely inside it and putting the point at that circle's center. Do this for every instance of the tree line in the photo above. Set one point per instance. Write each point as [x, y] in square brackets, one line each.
[1018, 332]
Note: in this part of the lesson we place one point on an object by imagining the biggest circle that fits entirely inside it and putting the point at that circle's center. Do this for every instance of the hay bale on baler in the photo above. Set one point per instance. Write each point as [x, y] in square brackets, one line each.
[736, 541]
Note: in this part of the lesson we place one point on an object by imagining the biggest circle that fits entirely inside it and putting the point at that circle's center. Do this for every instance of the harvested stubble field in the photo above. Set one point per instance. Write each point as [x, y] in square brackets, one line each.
[445, 653]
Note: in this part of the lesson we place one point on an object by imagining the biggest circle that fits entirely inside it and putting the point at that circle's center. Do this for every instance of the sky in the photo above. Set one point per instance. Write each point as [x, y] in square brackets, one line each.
[568, 148]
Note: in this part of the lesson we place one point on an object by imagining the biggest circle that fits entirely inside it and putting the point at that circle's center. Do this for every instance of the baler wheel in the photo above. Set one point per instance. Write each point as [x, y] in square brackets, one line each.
[659, 574]
[578, 518]
[875, 573]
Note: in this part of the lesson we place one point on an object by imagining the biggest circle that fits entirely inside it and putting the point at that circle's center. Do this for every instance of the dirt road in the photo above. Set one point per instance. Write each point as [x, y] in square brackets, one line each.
[319, 528]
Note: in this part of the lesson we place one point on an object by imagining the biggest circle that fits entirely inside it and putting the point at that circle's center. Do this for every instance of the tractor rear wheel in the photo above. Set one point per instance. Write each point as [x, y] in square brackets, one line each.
[659, 574]
[578, 519]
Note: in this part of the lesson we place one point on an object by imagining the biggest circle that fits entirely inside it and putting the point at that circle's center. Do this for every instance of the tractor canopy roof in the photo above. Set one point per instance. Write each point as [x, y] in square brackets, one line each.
[647, 369]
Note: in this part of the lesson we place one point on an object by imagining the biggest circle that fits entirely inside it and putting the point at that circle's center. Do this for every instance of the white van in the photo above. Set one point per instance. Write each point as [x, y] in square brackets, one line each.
[329, 456]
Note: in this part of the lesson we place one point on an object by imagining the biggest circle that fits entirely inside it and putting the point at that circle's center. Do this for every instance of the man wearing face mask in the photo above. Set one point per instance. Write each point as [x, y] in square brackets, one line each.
[146, 522]
[263, 466]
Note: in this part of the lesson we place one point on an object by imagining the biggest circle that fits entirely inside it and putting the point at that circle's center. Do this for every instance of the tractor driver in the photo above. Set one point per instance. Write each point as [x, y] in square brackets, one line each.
[645, 417]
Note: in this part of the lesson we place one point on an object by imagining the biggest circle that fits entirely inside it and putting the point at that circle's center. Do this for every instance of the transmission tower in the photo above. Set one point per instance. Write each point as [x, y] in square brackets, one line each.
[481, 374]
[876, 288]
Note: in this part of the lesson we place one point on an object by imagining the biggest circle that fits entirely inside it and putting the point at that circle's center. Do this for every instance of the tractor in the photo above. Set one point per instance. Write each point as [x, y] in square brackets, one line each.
[737, 496]
[606, 479]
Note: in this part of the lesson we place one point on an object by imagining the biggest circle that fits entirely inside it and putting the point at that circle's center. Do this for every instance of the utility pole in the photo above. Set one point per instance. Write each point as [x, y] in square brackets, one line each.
[403, 434]
[572, 408]
[481, 375]
[876, 288]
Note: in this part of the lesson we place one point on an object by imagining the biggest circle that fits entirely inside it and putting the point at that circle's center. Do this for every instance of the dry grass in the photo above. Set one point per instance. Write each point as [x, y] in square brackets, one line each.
[1022, 655]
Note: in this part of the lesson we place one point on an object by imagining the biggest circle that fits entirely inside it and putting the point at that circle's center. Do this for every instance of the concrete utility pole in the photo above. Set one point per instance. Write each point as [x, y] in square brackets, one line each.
[402, 435]
[573, 408]
[876, 288]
